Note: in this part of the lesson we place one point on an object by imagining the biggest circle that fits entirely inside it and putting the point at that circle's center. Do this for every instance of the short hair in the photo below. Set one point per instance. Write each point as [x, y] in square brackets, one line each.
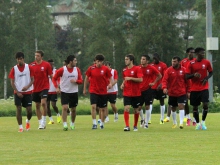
[146, 56]
[189, 49]
[69, 58]
[176, 57]
[131, 57]
[19, 55]
[197, 50]
[50, 60]
[156, 55]
[107, 63]
[100, 57]
[40, 52]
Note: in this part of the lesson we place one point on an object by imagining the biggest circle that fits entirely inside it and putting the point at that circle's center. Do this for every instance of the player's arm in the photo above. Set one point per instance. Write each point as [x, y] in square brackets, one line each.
[165, 82]
[29, 85]
[207, 77]
[85, 85]
[139, 79]
[80, 79]
[159, 76]
[122, 85]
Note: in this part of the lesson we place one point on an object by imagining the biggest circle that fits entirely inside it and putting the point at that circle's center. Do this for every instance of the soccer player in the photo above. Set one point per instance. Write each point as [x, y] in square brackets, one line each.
[112, 93]
[157, 88]
[149, 80]
[176, 85]
[199, 71]
[52, 97]
[22, 78]
[132, 77]
[98, 76]
[70, 77]
[42, 70]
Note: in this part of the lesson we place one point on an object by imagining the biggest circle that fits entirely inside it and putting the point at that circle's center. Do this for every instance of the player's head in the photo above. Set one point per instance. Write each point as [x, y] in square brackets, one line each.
[129, 59]
[176, 61]
[51, 62]
[20, 58]
[190, 51]
[108, 64]
[156, 58]
[99, 58]
[145, 59]
[39, 55]
[71, 60]
[200, 52]
[64, 63]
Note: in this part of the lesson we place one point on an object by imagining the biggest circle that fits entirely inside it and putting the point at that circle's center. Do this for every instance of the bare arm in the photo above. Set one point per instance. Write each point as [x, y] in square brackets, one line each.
[85, 85]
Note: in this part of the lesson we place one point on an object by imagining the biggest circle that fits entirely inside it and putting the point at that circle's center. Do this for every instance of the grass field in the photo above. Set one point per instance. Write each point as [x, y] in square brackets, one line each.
[160, 144]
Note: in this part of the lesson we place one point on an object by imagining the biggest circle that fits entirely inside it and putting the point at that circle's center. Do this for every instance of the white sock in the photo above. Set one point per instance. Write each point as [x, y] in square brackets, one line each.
[94, 121]
[116, 115]
[203, 121]
[168, 118]
[174, 117]
[151, 108]
[147, 118]
[71, 123]
[181, 115]
[20, 126]
[51, 118]
[58, 114]
[39, 121]
[27, 121]
[101, 124]
[162, 110]
[106, 118]
[141, 114]
[65, 124]
[188, 116]
[44, 118]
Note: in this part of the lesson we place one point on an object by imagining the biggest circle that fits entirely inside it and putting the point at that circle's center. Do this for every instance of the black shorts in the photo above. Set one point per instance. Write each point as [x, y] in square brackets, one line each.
[37, 96]
[52, 97]
[133, 101]
[196, 97]
[146, 97]
[25, 101]
[158, 94]
[69, 98]
[174, 101]
[111, 98]
[99, 100]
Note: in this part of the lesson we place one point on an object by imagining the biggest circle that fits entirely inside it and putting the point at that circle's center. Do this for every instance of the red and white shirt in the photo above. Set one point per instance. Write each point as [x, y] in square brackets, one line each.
[149, 73]
[161, 67]
[131, 88]
[66, 74]
[202, 67]
[22, 77]
[41, 74]
[114, 88]
[99, 79]
[175, 81]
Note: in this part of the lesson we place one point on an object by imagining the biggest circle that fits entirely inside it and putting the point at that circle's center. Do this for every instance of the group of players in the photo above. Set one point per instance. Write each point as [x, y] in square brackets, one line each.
[186, 79]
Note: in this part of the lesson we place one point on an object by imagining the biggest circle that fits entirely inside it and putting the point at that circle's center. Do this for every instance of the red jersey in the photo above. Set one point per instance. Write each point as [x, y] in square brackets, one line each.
[131, 88]
[41, 75]
[175, 81]
[59, 73]
[149, 73]
[161, 67]
[21, 69]
[201, 67]
[99, 79]
[186, 61]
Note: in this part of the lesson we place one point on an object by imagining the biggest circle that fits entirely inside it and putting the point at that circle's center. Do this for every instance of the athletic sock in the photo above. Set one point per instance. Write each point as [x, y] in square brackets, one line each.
[162, 110]
[27, 121]
[51, 119]
[151, 108]
[141, 114]
[39, 121]
[136, 116]
[65, 124]
[126, 118]
[174, 117]
[181, 115]
[20, 126]
[58, 114]
[94, 121]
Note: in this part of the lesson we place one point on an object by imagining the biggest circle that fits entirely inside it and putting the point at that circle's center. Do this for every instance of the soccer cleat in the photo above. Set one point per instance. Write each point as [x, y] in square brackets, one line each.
[94, 126]
[99, 121]
[185, 120]
[142, 123]
[72, 127]
[181, 126]
[166, 120]
[161, 122]
[58, 119]
[20, 130]
[198, 126]
[174, 126]
[27, 127]
[41, 126]
[146, 126]
[106, 120]
[135, 129]
[194, 123]
[203, 126]
[126, 128]
[188, 122]
[102, 127]
[149, 122]
[116, 119]
[65, 128]
[51, 122]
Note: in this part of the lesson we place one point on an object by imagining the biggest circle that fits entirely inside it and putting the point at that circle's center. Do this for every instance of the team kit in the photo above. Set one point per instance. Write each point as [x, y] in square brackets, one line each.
[184, 82]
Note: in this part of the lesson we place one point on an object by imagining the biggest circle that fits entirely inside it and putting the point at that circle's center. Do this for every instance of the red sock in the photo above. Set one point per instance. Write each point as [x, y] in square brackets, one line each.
[126, 118]
[136, 116]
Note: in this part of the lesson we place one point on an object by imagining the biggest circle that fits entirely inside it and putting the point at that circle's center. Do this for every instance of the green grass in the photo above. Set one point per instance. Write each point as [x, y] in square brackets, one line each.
[160, 144]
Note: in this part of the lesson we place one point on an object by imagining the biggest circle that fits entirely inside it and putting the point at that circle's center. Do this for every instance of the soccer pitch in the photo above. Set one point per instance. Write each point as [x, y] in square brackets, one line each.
[160, 144]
